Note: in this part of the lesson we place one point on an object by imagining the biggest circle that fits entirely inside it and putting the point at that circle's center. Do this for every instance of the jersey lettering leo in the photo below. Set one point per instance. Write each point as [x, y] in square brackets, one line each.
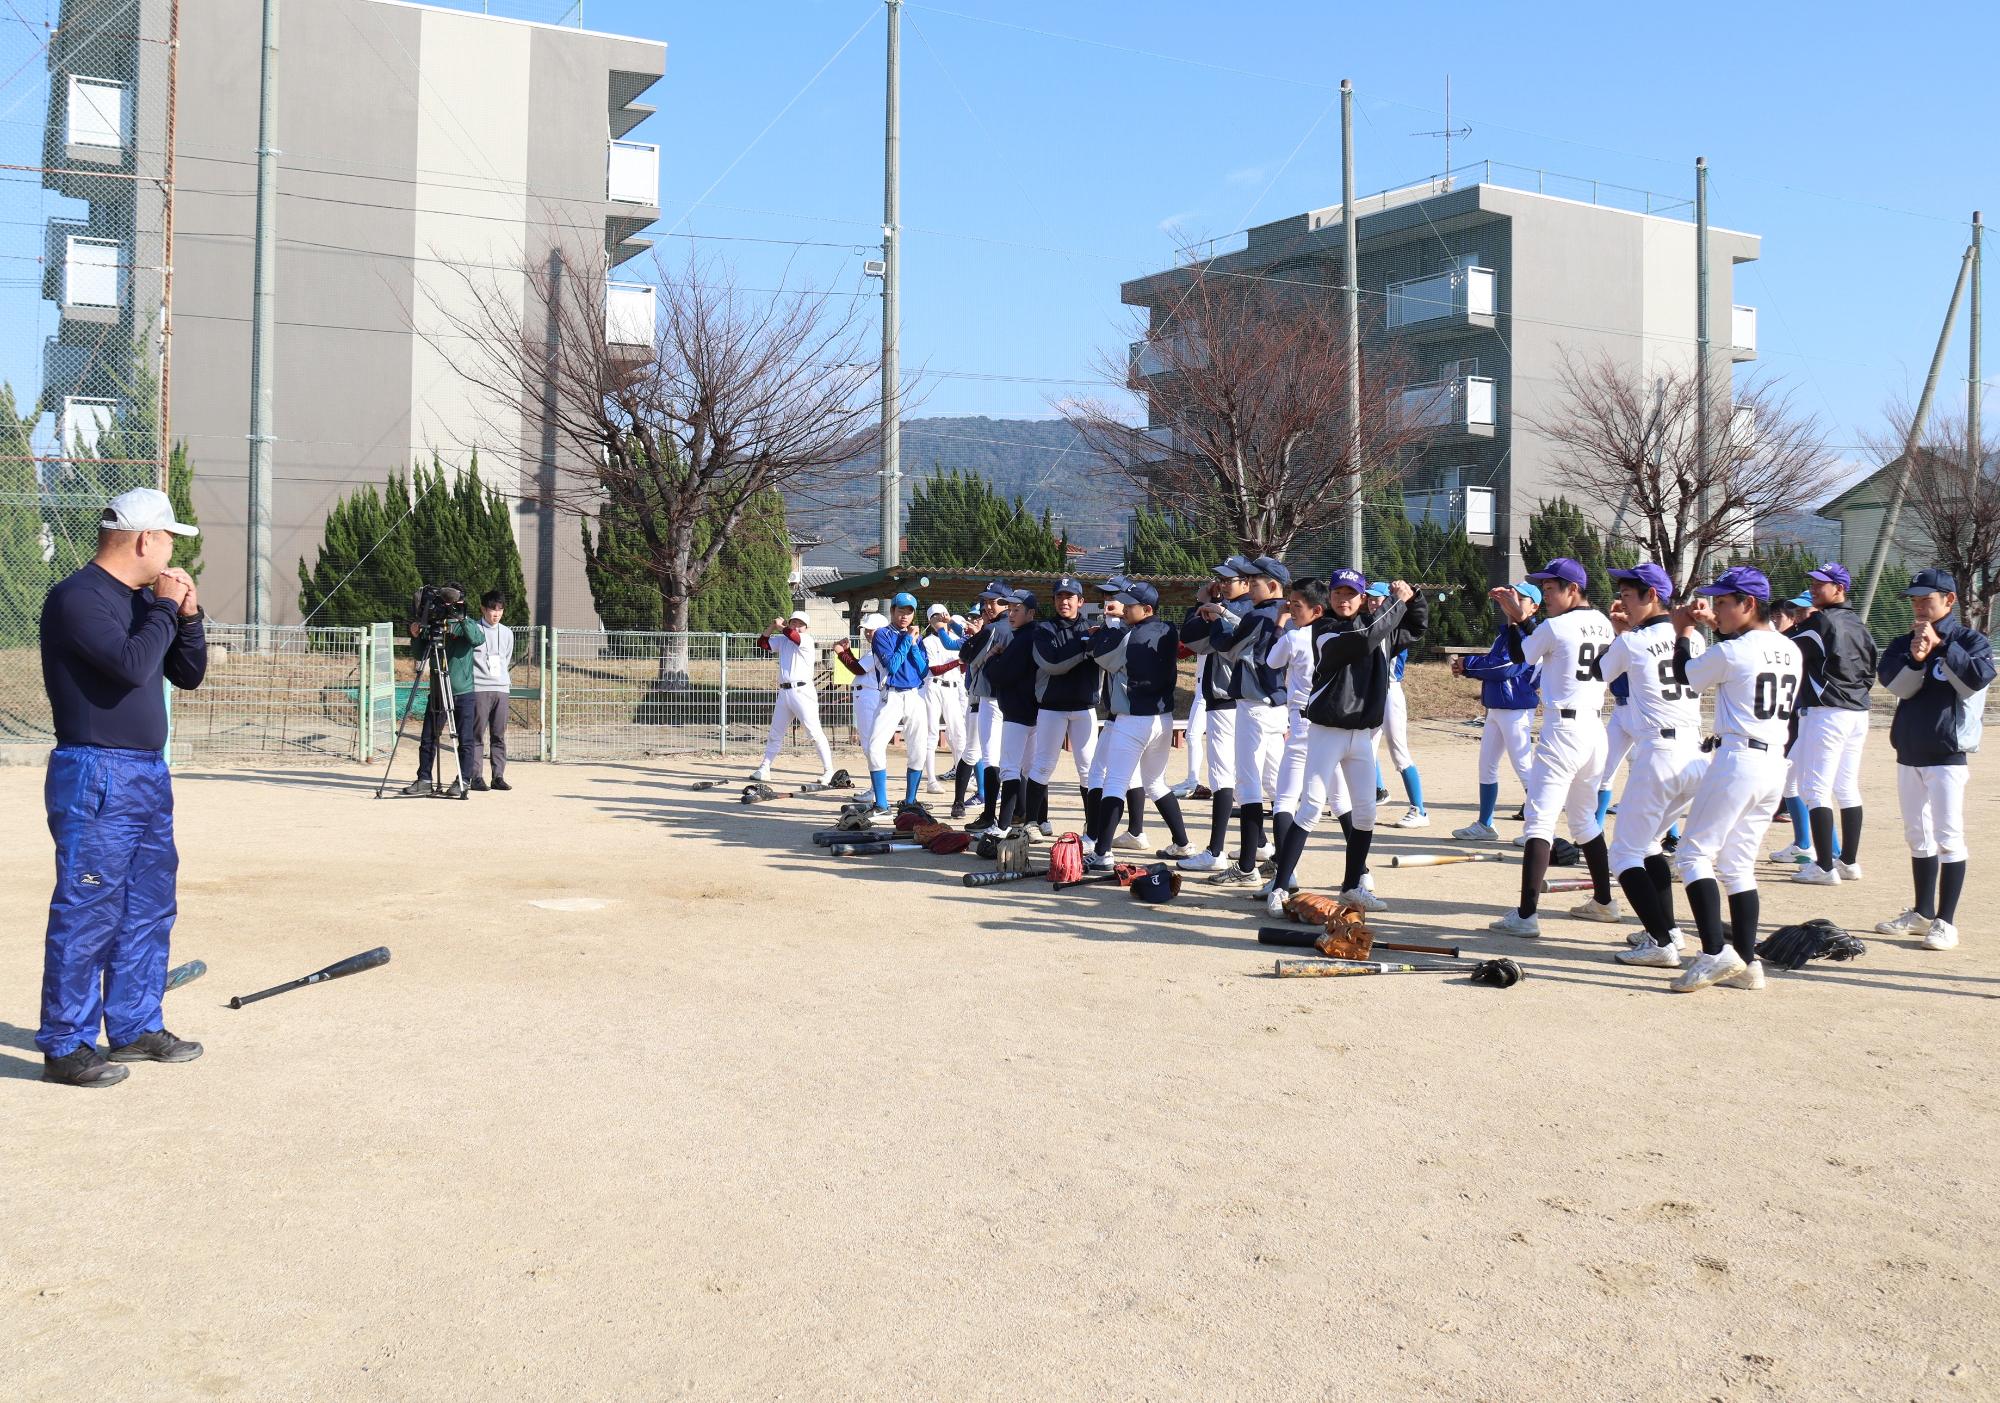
[1567, 649]
[1758, 677]
[1644, 657]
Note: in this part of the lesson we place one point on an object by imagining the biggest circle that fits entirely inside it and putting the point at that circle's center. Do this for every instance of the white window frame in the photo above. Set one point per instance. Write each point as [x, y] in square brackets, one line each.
[86, 94]
[632, 173]
[621, 323]
[1480, 506]
[85, 290]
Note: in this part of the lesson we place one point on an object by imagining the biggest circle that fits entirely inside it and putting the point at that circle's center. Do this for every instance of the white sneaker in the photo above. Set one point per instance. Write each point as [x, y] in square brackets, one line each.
[1132, 843]
[1792, 852]
[1849, 871]
[1274, 904]
[1265, 890]
[762, 774]
[1175, 850]
[1364, 898]
[1813, 875]
[1590, 909]
[1650, 955]
[1750, 977]
[1520, 840]
[1707, 969]
[1675, 939]
[826, 779]
[1368, 882]
[1183, 789]
[1514, 923]
[1046, 829]
[1911, 922]
[1477, 833]
[1267, 853]
[1413, 817]
[1203, 861]
[1943, 936]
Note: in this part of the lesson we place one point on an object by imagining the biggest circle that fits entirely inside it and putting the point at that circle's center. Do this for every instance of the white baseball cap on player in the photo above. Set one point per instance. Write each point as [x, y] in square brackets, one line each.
[937, 611]
[143, 509]
[873, 621]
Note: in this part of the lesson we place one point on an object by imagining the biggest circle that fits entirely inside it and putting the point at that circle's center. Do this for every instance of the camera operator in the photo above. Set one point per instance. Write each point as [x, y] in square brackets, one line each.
[443, 611]
[492, 664]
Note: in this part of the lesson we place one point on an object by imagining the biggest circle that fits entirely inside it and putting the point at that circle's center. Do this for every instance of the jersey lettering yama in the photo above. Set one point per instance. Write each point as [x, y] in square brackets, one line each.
[1644, 657]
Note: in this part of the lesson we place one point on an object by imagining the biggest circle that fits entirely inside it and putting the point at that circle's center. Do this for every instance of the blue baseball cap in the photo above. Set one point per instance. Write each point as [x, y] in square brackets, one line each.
[1529, 591]
[1740, 579]
[1347, 579]
[1930, 582]
[1224, 571]
[1271, 568]
[903, 601]
[1561, 568]
[1801, 600]
[1831, 572]
[1380, 589]
[1649, 575]
[1138, 592]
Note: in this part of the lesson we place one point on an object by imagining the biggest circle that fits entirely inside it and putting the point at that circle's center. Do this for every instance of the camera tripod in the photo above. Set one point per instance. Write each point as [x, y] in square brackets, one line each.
[431, 662]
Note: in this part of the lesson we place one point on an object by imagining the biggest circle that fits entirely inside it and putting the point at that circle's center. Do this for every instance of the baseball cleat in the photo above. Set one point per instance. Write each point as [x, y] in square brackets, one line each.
[1943, 936]
[1675, 940]
[1096, 862]
[1520, 840]
[1132, 843]
[1175, 850]
[1751, 976]
[1813, 875]
[1792, 852]
[1413, 817]
[958, 811]
[1477, 833]
[1203, 861]
[1380, 794]
[1274, 903]
[1911, 922]
[1591, 909]
[1650, 955]
[1363, 898]
[1849, 871]
[1233, 876]
[1706, 969]
[1514, 923]
[762, 774]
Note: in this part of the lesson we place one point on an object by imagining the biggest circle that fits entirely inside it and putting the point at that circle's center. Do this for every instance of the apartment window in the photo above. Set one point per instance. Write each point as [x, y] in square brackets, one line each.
[633, 174]
[1436, 502]
[1479, 511]
[84, 421]
[99, 110]
[93, 275]
[629, 315]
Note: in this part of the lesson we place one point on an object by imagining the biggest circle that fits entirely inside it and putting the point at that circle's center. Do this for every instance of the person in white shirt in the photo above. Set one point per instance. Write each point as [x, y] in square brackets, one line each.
[867, 677]
[945, 695]
[1566, 644]
[798, 698]
[1756, 673]
[492, 665]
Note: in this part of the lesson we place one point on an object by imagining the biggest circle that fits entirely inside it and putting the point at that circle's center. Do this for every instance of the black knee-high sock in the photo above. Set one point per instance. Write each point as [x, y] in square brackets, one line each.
[992, 800]
[1010, 802]
[1109, 810]
[1924, 875]
[1534, 871]
[1743, 912]
[1705, 902]
[1850, 834]
[1951, 882]
[1035, 801]
[1346, 822]
[1637, 884]
[1093, 801]
[960, 777]
[1357, 857]
[1822, 836]
[1291, 847]
[1597, 857]
[1662, 873]
[1218, 819]
[1281, 824]
[1170, 810]
[1135, 811]
[1253, 836]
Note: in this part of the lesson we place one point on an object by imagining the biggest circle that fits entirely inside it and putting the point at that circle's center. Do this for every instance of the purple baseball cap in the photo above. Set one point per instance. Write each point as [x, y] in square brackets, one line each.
[1561, 568]
[1740, 579]
[1831, 572]
[1649, 575]
[1347, 579]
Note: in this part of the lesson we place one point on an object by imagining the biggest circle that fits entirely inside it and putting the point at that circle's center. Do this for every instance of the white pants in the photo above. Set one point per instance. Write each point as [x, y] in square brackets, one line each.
[908, 712]
[1260, 748]
[1508, 734]
[1792, 758]
[1197, 740]
[1292, 779]
[1619, 738]
[1657, 795]
[867, 705]
[1016, 741]
[1219, 731]
[1562, 779]
[982, 733]
[1396, 728]
[1133, 752]
[1052, 728]
[947, 704]
[1829, 751]
[800, 704]
[1933, 798]
[1337, 759]
[1732, 808]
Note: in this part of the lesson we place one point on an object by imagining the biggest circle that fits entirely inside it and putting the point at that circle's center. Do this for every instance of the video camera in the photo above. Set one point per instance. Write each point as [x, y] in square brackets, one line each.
[436, 606]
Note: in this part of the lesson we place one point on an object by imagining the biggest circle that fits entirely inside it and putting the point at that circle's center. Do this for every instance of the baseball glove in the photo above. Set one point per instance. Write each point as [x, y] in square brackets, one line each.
[1311, 908]
[1066, 859]
[1015, 851]
[1789, 947]
[854, 821]
[911, 813]
[1564, 853]
[1347, 935]
[757, 793]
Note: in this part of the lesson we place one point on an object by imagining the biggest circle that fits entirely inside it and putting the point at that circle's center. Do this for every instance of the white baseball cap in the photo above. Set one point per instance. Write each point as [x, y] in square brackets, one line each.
[798, 614]
[143, 509]
[873, 621]
[937, 611]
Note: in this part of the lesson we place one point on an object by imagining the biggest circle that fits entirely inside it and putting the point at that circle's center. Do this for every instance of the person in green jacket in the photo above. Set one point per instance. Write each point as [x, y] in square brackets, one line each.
[462, 636]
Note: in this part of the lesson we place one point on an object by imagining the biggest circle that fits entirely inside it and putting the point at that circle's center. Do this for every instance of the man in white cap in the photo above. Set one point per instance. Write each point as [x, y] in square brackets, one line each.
[110, 633]
[867, 680]
[798, 699]
[945, 695]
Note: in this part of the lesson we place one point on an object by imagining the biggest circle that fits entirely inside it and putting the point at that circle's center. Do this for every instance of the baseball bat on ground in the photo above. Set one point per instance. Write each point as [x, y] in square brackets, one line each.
[1299, 938]
[1501, 974]
[184, 974]
[994, 879]
[708, 784]
[353, 964]
[1567, 884]
[1442, 859]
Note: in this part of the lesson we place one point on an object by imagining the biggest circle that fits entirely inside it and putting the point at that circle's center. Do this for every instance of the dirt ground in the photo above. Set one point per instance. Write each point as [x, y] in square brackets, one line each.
[655, 1102]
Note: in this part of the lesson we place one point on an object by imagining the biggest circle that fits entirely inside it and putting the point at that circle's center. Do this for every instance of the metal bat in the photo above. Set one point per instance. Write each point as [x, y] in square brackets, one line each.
[994, 879]
[1300, 938]
[1567, 884]
[708, 784]
[353, 964]
[1442, 859]
[1501, 974]
[185, 974]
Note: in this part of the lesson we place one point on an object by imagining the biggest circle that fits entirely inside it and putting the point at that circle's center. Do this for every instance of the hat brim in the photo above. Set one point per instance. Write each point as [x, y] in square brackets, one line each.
[1711, 591]
[1916, 592]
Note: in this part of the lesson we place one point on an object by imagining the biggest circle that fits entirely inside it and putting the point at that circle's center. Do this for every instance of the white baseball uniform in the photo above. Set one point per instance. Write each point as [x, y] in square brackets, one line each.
[1292, 655]
[798, 699]
[1663, 729]
[1756, 677]
[867, 687]
[1569, 752]
[945, 693]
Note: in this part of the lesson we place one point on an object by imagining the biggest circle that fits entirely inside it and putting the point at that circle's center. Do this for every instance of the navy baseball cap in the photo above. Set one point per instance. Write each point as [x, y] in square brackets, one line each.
[1271, 568]
[1224, 571]
[1740, 580]
[1138, 592]
[1158, 883]
[1347, 579]
[1241, 566]
[1380, 589]
[1930, 582]
[1529, 591]
[1023, 597]
[903, 601]
[1117, 584]
[1649, 575]
[1831, 572]
[996, 589]
[1067, 586]
[1561, 568]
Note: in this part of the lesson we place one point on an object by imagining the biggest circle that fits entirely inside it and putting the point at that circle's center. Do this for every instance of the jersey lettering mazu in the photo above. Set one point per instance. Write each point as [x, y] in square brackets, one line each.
[1567, 649]
[1757, 676]
[1662, 706]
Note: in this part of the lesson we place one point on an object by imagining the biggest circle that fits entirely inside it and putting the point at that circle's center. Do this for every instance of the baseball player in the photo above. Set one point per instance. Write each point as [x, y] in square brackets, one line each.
[1292, 657]
[1569, 753]
[867, 685]
[1141, 661]
[986, 637]
[798, 699]
[1840, 664]
[1065, 701]
[1011, 673]
[1788, 617]
[1396, 731]
[944, 694]
[1350, 690]
[1218, 694]
[1939, 672]
[904, 670]
[1244, 640]
[1756, 673]
[1664, 728]
[1134, 839]
[1510, 692]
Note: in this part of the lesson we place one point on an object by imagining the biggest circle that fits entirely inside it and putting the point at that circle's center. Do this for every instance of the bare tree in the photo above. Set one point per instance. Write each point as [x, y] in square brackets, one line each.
[1626, 437]
[685, 424]
[1954, 500]
[1247, 376]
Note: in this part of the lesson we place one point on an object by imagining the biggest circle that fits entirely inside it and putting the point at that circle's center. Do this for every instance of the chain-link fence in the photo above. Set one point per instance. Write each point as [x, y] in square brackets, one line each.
[291, 695]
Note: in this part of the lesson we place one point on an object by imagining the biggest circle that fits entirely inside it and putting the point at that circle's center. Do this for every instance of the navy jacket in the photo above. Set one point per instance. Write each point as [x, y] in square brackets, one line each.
[1352, 661]
[1941, 706]
[1505, 685]
[1012, 675]
[1839, 656]
[1247, 644]
[105, 647]
[1141, 666]
[1064, 681]
[991, 639]
[1218, 673]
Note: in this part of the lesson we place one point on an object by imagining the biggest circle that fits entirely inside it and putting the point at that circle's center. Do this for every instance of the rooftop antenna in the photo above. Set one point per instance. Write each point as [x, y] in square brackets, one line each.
[1448, 132]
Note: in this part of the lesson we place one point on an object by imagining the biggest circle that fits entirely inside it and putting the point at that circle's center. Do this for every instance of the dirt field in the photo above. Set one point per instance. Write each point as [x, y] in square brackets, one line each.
[729, 1120]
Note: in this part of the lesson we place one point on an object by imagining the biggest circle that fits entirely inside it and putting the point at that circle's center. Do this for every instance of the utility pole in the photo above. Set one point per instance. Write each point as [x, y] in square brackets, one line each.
[1973, 385]
[263, 316]
[1350, 278]
[1701, 455]
[1879, 557]
[892, 207]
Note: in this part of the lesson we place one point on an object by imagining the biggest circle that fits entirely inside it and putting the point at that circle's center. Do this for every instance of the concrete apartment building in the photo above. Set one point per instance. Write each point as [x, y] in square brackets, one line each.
[1484, 287]
[420, 144]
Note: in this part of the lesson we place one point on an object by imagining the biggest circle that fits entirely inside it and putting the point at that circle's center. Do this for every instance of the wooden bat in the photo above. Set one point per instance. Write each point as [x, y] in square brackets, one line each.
[1302, 938]
[1442, 859]
[353, 964]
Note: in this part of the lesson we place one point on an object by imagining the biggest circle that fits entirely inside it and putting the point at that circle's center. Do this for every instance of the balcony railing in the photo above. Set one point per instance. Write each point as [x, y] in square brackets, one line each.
[633, 173]
[630, 315]
[1457, 294]
[1163, 353]
[100, 113]
[1743, 330]
[93, 270]
[1160, 447]
[1465, 405]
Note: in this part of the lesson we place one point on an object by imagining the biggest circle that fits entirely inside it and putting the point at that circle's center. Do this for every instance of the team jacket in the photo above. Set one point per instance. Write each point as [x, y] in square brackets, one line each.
[1247, 645]
[1352, 663]
[1062, 681]
[980, 649]
[1141, 666]
[1218, 674]
[1941, 706]
[1011, 674]
[900, 659]
[1505, 685]
[1840, 658]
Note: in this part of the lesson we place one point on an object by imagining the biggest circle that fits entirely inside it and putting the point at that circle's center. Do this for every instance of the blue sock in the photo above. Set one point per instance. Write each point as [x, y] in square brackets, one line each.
[1795, 809]
[880, 779]
[1378, 776]
[1413, 785]
[979, 782]
[1489, 799]
[1603, 805]
[1675, 833]
[910, 781]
